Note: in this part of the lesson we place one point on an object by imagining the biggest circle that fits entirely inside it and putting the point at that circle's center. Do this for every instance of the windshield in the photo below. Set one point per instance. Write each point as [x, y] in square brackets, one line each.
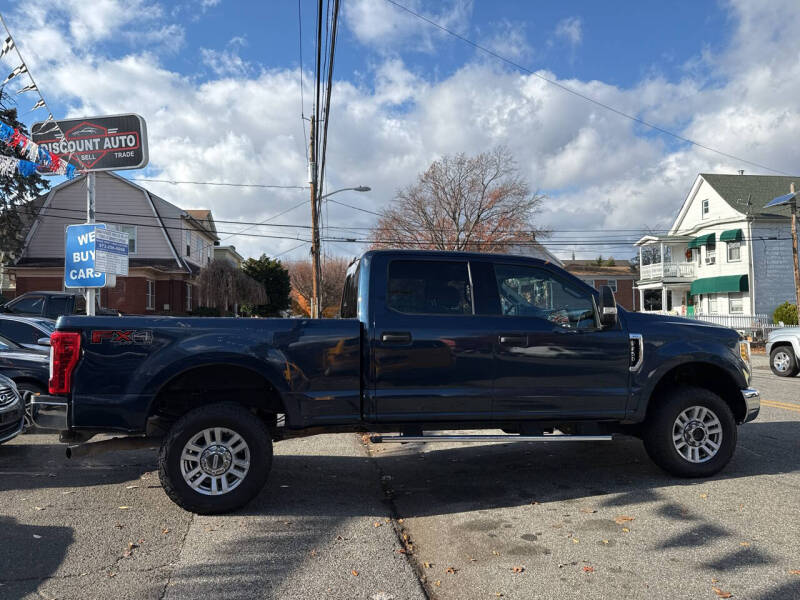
[6, 344]
[48, 325]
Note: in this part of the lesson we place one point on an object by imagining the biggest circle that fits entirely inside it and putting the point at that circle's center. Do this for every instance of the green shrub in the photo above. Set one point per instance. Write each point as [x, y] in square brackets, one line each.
[787, 313]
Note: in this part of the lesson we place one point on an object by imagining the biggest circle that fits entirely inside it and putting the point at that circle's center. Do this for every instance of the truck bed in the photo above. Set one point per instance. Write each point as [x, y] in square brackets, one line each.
[314, 365]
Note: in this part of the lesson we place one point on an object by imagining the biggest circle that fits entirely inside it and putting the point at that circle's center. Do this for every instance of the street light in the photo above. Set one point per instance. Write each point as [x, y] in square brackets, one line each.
[316, 249]
[360, 188]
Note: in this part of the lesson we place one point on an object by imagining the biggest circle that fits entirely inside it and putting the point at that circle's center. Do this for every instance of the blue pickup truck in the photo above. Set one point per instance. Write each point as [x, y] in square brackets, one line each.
[427, 342]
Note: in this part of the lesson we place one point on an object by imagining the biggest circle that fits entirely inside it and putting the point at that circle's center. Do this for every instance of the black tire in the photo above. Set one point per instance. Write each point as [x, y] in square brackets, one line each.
[660, 424]
[784, 355]
[235, 418]
[28, 389]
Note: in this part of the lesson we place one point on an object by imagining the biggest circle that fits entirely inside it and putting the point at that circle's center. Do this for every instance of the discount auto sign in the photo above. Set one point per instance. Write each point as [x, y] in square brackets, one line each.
[108, 143]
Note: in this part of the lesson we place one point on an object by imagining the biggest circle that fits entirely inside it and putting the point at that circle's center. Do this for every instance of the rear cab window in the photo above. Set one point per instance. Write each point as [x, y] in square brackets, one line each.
[29, 305]
[429, 287]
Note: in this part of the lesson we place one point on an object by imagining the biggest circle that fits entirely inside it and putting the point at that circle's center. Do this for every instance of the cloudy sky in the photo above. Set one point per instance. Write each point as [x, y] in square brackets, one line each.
[219, 84]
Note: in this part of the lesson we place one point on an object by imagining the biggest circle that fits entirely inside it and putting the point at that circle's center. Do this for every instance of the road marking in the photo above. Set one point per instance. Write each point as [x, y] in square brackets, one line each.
[771, 404]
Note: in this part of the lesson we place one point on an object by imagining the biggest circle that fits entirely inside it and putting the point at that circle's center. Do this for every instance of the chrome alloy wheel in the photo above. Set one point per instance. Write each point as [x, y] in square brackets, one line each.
[697, 434]
[215, 461]
[781, 361]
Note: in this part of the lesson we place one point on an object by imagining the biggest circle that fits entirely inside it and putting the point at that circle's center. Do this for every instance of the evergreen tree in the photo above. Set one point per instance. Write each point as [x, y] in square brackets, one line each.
[275, 278]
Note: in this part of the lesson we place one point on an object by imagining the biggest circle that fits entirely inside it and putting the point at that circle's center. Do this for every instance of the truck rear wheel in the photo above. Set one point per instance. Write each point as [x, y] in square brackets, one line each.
[215, 459]
[690, 432]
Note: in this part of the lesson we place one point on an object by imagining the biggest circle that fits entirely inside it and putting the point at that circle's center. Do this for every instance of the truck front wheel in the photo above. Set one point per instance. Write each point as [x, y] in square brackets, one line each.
[215, 459]
[690, 432]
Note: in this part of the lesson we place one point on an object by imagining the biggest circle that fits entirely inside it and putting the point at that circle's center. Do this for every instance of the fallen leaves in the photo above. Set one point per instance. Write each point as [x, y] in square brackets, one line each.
[165, 531]
[588, 569]
[354, 573]
[451, 570]
[377, 524]
[744, 543]
[626, 530]
[721, 593]
[704, 496]
[519, 569]
[575, 541]
[123, 507]
[437, 583]
[427, 565]
[794, 572]
[588, 511]
[623, 519]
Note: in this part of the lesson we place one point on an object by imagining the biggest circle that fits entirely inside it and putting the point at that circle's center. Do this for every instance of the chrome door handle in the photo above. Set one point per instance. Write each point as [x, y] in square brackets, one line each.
[396, 337]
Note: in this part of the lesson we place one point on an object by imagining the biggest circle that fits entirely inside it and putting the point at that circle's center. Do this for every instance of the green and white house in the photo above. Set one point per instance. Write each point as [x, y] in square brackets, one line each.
[725, 254]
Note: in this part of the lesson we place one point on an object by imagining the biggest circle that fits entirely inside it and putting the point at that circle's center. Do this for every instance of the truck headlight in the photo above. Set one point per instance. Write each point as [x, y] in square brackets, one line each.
[744, 351]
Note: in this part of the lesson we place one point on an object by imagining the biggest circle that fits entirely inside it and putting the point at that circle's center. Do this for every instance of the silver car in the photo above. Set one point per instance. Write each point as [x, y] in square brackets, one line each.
[12, 410]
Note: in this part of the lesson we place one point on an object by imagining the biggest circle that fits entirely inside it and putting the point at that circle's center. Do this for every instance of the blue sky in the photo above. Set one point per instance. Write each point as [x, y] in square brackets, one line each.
[218, 83]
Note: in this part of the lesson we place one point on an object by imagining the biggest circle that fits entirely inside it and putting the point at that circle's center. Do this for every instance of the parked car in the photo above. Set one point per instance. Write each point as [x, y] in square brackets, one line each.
[29, 369]
[32, 333]
[11, 410]
[428, 341]
[783, 348]
[52, 305]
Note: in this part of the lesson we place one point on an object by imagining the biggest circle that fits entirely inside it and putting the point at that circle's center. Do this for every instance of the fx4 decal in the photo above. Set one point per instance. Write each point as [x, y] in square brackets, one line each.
[122, 336]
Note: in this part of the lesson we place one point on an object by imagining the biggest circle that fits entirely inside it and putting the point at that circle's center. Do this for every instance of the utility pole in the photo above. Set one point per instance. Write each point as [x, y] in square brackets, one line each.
[312, 181]
[793, 208]
[90, 292]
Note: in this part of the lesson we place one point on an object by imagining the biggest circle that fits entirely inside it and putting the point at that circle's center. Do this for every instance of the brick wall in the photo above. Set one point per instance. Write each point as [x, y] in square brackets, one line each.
[624, 294]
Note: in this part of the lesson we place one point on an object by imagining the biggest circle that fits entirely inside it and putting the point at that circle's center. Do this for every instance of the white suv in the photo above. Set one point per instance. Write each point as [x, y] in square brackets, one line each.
[783, 347]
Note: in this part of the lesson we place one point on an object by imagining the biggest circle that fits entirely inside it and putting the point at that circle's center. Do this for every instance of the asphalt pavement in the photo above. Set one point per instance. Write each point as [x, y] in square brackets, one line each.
[343, 519]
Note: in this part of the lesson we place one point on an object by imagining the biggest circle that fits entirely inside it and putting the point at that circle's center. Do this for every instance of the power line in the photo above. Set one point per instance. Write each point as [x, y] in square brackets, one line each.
[267, 219]
[223, 183]
[574, 92]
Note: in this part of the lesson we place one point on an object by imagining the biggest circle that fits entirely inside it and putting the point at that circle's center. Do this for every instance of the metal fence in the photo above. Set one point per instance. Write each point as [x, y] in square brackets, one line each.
[757, 326]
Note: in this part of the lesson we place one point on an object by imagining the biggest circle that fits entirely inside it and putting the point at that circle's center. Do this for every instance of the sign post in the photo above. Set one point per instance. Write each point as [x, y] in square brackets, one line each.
[107, 143]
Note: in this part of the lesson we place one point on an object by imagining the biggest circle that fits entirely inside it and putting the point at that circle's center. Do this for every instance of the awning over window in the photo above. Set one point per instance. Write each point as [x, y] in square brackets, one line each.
[716, 285]
[731, 235]
[703, 240]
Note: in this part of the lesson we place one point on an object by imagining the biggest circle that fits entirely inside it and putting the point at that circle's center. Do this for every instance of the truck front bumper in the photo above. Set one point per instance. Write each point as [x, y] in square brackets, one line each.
[752, 402]
[49, 412]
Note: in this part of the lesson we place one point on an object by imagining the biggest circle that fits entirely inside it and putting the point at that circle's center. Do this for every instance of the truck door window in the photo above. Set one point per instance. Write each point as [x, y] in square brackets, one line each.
[534, 292]
[429, 287]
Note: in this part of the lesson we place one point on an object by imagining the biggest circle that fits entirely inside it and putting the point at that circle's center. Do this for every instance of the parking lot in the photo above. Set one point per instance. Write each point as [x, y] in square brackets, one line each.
[340, 518]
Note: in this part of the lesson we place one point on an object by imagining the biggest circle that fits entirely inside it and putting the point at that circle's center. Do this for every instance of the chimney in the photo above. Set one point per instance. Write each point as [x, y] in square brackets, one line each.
[741, 171]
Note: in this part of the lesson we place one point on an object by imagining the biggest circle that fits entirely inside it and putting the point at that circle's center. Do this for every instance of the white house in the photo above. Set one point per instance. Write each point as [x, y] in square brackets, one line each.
[725, 254]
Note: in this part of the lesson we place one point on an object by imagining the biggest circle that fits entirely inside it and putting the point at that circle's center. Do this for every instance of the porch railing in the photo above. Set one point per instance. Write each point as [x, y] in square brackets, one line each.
[662, 270]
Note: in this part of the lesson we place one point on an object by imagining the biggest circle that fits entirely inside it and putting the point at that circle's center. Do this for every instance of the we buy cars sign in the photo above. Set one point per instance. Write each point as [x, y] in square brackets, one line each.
[109, 143]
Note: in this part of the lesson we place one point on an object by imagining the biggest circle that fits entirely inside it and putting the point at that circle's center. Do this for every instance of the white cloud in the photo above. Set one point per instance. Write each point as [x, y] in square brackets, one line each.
[389, 28]
[508, 39]
[570, 30]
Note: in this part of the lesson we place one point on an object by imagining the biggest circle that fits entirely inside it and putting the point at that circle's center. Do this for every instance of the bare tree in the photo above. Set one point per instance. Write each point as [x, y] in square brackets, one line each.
[333, 272]
[463, 203]
[223, 285]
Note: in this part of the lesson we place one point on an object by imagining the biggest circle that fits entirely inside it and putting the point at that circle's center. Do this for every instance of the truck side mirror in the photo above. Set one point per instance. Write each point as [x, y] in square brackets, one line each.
[607, 307]
[43, 341]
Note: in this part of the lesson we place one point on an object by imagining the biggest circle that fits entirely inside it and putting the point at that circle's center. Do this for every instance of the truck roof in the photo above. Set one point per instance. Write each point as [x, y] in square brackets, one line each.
[454, 254]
